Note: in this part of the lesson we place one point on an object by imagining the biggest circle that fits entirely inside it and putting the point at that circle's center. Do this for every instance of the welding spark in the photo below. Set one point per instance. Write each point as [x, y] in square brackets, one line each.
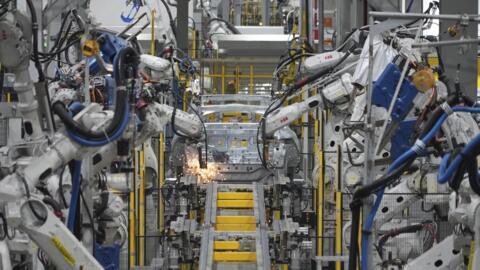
[205, 175]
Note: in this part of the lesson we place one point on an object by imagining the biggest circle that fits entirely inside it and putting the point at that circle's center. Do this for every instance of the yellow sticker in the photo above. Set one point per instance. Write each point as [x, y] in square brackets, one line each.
[66, 255]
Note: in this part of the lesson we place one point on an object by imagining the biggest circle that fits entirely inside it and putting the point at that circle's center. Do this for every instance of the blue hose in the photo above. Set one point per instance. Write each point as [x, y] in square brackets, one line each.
[77, 170]
[75, 108]
[97, 143]
[410, 6]
[404, 157]
[446, 171]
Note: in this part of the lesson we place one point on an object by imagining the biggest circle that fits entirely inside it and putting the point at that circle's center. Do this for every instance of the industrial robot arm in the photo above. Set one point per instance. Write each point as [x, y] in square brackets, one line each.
[334, 94]
[158, 115]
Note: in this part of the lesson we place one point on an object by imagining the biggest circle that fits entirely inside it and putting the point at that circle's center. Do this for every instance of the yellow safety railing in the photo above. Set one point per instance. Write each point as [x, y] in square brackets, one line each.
[320, 181]
[132, 221]
[237, 76]
[152, 41]
[338, 209]
[141, 207]
[161, 177]
[471, 255]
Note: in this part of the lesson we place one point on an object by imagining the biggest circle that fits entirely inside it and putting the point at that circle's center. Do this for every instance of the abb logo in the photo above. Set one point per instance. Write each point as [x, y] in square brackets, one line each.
[328, 56]
[283, 120]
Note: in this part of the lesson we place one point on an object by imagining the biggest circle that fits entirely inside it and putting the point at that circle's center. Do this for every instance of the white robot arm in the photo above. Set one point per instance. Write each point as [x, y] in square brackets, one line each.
[336, 94]
[158, 115]
[51, 235]
[285, 116]
[160, 68]
[442, 256]
[321, 61]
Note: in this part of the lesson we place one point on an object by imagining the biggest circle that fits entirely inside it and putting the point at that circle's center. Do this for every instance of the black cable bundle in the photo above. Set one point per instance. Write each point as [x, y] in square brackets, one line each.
[36, 58]
[403, 230]
[170, 17]
[127, 58]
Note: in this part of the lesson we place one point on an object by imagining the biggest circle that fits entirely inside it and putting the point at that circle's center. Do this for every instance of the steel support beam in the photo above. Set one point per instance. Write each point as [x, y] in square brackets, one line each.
[265, 12]
[460, 64]
[182, 25]
[261, 241]
[343, 20]
[237, 20]
[320, 18]
[310, 21]
[224, 10]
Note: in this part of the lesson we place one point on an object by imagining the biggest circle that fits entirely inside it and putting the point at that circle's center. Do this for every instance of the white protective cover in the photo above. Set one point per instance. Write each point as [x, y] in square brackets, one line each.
[382, 55]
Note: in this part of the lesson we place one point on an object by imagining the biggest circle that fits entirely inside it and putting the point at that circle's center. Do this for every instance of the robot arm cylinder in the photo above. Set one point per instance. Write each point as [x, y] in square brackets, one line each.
[15, 48]
[321, 61]
[158, 115]
[160, 68]
[285, 116]
[335, 93]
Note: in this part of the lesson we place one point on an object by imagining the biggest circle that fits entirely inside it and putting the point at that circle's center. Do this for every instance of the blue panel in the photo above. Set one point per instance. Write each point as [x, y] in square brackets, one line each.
[110, 46]
[109, 87]
[384, 89]
[402, 139]
[108, 256]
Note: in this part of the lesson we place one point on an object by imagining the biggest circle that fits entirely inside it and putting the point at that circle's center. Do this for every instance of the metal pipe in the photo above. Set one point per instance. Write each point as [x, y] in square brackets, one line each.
[243, 60]
[369, 141]
[320, 18]
[140, 31]
[6, 263]
[130, 26]
[446, 43]
[396, 15]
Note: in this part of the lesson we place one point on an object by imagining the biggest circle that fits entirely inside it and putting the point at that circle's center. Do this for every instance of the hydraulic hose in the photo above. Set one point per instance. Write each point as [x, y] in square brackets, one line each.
[126, 59]
[75, 195]
[436, 115]
[36, 58]
[446, 171]
[170, 18]
[472, 169]
[398, 231]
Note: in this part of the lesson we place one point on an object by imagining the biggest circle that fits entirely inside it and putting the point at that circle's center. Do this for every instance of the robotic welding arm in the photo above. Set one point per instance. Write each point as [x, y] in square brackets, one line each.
[324, 61]
[158, 115]
[49, 233]
[335, 94]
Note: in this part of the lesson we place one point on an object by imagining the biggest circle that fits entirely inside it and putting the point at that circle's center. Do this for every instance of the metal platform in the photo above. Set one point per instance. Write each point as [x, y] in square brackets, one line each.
[234, 229]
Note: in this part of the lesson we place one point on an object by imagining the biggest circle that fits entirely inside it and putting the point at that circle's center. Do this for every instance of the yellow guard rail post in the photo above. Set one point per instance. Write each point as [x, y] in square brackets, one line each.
[320, 185]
